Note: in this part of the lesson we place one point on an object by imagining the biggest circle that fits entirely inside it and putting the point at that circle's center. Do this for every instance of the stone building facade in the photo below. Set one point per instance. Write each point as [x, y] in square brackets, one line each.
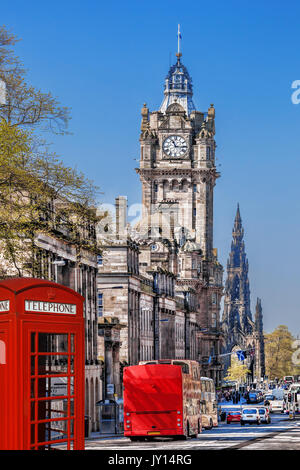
[241, 332]
[155, 321]
[165, 273]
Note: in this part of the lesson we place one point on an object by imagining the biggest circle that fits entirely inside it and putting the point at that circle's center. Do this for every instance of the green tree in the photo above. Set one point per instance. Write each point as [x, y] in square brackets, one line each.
[237, 372]
[278, 352]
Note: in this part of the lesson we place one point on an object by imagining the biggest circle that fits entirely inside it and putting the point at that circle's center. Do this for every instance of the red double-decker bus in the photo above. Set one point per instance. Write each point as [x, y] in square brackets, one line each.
[162, 398]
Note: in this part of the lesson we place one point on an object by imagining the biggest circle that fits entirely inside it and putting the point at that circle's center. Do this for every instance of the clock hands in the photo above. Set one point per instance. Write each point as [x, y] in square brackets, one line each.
[175, 146]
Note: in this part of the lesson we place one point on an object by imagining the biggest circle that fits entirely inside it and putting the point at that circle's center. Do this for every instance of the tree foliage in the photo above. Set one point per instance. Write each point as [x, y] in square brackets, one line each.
[38, 193]
[278, 352]
[237, 372]
[24, 105]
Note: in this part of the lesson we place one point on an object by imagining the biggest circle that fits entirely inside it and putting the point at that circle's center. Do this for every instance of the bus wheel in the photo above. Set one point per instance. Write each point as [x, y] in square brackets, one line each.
[210, 425]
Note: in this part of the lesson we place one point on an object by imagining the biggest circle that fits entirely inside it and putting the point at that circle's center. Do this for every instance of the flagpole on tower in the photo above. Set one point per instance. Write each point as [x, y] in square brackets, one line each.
[178, 55]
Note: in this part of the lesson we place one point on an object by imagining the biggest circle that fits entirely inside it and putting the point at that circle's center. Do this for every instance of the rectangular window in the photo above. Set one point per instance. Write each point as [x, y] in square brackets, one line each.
[100, 305]
[99, 260]
[194, 188]
[208, 153]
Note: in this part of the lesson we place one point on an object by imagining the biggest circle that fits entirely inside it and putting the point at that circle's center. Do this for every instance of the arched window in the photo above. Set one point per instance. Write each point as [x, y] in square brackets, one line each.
[175, 185]
[184, 185]
[165, 188]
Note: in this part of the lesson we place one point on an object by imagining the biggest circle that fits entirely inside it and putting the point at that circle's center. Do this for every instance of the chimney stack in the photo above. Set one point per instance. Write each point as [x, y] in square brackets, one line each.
[121, 216]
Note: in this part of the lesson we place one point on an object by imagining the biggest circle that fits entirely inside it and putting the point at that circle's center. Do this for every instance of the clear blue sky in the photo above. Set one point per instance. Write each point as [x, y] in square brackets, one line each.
[105, 59]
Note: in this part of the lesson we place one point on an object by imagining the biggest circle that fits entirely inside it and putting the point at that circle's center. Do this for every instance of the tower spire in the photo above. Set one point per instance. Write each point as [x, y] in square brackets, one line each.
[178, 84]
[238, 231]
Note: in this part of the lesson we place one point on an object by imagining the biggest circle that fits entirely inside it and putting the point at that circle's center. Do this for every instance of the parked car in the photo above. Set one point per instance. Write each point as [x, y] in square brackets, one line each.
[264, 415]
[250, 415]
[233, 417]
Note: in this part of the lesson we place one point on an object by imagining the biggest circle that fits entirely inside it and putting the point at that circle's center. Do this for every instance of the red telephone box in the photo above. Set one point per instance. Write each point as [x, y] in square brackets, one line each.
[41, 366]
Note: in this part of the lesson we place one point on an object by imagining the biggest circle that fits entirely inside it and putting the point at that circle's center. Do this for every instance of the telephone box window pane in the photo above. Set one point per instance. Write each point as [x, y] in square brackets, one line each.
[32, 434]
[72, 343]
[72, 407]
[53, 430]
[50, 342]
[32, 388]
[32, 341]
[32, 411]
[55, 409]
[72, 385]
[32, 362]
[71, 427]
[55, 365]
[53, 387]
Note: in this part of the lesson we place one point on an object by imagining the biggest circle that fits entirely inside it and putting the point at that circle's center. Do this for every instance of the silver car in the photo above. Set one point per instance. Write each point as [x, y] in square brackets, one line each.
[264, 415]
[250, 415]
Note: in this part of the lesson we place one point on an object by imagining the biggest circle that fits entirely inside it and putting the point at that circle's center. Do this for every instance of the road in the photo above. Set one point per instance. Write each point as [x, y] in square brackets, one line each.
[280, 434]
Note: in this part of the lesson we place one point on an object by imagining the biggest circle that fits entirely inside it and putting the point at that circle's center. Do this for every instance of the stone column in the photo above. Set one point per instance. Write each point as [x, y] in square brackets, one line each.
[108, 367]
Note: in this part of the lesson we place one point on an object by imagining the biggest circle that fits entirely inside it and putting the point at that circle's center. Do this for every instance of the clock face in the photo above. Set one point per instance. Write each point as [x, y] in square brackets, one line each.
[175, 146]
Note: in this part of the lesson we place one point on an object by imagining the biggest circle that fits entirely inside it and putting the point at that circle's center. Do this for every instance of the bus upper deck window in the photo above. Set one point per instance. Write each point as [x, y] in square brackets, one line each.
[184, 366]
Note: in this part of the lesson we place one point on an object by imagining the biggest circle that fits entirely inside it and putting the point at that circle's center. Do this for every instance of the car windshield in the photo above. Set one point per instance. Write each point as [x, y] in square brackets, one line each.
[249, 411]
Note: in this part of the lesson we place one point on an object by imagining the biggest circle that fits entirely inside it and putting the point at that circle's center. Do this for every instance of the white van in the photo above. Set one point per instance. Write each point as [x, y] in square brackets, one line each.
[277, 403]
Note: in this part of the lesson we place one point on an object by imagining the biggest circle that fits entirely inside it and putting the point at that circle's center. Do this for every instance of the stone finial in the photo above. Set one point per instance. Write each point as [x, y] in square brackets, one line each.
[145, 117]
[211, 112]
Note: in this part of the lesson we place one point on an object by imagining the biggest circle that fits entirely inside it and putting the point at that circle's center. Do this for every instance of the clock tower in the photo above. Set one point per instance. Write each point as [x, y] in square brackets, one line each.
[177, 165]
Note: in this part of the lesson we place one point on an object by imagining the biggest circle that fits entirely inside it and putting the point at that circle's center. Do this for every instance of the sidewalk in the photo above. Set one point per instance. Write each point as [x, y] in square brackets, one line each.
[96, 436]
[230, 403]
